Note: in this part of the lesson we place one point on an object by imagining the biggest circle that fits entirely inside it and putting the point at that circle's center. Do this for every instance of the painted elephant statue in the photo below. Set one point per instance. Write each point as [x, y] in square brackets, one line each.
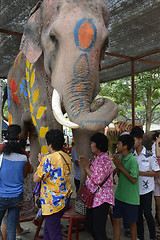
[113, 134]
[56, 72]
[147, 139]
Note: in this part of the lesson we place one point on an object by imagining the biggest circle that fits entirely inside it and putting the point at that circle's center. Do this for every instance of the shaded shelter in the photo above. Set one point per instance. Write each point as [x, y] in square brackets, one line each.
[134, 33]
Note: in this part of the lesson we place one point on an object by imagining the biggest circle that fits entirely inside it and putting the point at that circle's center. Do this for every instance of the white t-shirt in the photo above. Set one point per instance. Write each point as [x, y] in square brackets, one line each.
[147, 163]
[154, 149]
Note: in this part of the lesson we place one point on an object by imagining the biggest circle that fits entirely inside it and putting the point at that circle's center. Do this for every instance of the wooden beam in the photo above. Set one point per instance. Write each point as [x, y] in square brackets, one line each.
[9, 32]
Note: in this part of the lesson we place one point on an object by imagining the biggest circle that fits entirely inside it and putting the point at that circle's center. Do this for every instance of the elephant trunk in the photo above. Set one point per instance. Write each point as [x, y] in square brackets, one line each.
[99, 114]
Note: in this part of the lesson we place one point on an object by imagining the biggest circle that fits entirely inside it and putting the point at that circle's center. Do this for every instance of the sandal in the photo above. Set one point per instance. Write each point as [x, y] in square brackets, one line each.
[127, 233]
[25, 230]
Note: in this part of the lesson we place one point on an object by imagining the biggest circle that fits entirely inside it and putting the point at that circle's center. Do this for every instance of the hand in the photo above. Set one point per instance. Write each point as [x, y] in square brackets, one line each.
[31, 169]
[40, 156]
[85, 164]
[117, 161]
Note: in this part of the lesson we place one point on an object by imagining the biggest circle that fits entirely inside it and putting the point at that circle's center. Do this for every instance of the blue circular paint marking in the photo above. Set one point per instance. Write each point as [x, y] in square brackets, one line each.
[76, 34]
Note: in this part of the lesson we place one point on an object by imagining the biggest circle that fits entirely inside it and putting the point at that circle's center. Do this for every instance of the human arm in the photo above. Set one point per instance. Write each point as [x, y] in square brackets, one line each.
[36, 178]
[114, 173]
[149, 174]
[116, 170]
[86, 165]
[100, 168]
[118, 164]
[41, 169]
[26, 170]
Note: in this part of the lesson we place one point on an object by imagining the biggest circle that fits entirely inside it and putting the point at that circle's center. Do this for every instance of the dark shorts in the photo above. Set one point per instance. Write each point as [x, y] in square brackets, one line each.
[127, 211]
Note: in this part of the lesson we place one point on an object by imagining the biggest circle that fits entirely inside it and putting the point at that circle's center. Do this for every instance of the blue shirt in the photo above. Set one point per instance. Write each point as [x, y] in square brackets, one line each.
[76, 168]
[11, 175]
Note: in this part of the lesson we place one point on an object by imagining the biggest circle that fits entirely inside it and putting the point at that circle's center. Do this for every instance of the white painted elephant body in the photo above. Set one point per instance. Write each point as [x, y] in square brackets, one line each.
[61, 50]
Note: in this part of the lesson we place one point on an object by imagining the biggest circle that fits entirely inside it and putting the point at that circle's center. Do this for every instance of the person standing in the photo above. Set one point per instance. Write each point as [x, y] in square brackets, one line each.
[76, 167]
[13, 169]
[127, 192]
[97, 171]
[156, 192]
[148, 169]
[54, 172]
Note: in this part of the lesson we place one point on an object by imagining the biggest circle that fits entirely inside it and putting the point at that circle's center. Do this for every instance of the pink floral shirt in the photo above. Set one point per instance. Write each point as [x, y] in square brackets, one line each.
[101, 166]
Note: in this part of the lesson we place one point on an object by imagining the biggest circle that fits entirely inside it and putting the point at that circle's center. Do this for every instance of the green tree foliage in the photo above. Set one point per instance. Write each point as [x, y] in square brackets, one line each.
[147, 96]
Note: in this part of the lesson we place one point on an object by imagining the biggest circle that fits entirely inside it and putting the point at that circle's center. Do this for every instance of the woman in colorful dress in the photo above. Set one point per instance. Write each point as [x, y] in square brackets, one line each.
[97, 171]
[54, 172]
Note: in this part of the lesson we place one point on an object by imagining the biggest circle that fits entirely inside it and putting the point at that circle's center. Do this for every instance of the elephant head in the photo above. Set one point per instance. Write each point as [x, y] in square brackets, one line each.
[71, 37]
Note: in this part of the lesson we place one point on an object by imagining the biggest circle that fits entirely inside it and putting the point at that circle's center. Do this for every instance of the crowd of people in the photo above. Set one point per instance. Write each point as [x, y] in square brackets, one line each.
[138, 174]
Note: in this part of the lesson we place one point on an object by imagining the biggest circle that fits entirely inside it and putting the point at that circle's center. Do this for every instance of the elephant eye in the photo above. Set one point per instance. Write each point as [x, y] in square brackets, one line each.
[53, 38]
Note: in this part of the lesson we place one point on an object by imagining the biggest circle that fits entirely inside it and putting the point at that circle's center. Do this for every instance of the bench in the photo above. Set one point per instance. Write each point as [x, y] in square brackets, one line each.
[73, 218]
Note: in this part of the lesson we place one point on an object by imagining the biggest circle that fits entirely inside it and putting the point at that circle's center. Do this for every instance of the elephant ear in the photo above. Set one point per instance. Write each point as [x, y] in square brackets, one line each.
[105, 14]
[31, 39]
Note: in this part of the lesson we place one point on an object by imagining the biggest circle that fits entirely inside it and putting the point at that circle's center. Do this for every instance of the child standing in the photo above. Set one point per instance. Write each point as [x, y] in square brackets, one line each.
[127, 192]
[148, 169]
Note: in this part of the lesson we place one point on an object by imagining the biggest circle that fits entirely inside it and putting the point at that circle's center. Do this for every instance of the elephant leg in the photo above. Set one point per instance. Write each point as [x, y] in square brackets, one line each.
[110, 147]
[82, 143]
[34, 146]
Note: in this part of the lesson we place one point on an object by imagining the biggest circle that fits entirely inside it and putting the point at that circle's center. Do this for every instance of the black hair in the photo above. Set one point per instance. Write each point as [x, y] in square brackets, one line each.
[12, 145]
[23, 143]
[56, 138]
[128, 140]
[137, 132]
[13, 132]
[101, 141]
[155, 135]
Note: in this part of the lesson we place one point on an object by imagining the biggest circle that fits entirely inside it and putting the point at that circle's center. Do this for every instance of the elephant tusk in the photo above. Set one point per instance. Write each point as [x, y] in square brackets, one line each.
[57, 112]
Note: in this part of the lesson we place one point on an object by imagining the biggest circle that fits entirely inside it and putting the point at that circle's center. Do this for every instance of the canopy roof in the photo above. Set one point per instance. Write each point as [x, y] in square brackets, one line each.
[134, 34]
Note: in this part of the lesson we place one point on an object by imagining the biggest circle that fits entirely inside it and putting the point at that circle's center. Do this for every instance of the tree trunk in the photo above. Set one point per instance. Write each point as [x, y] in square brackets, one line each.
[148, 110]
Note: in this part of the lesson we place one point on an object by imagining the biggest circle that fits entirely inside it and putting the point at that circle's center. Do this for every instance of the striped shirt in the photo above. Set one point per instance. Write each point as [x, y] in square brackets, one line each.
[11, 175]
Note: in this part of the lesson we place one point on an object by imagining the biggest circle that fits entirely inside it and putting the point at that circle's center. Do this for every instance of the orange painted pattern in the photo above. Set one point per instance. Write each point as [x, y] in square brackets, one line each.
[86, 34]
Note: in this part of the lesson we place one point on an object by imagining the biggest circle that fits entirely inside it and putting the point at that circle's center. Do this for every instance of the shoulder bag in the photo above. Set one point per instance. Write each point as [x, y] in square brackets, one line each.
[66, 162]
[85, 198]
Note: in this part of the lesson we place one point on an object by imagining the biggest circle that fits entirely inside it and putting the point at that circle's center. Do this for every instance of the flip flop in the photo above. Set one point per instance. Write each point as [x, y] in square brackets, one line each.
[127, 234]
[18, 238]
[25, 230]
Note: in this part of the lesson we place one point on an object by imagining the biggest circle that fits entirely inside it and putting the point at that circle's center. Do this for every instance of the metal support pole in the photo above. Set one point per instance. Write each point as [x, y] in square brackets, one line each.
[133, 97]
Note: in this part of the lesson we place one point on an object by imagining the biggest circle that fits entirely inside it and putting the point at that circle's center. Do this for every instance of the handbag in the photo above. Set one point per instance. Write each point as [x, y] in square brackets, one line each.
[37, 188]
[85, 198]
